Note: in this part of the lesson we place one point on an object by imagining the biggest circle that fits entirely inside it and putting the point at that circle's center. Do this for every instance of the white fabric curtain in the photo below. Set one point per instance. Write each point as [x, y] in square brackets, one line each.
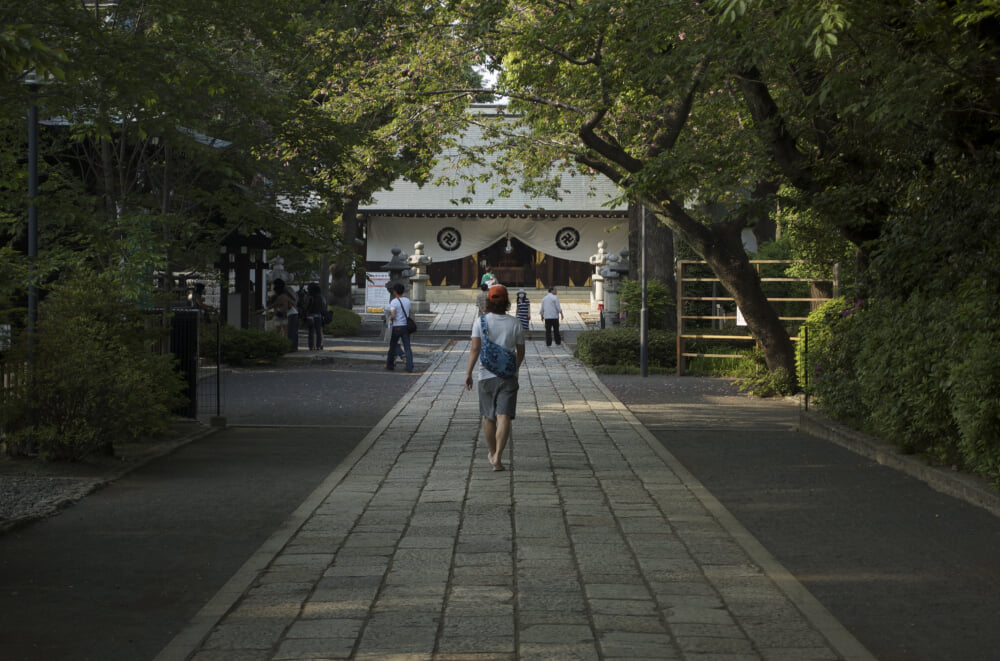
[447, 239]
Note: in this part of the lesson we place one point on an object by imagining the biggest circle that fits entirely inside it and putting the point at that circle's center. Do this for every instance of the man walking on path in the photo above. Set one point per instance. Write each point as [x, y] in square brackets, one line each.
[399, 312]
[497, 392]
[551, 313]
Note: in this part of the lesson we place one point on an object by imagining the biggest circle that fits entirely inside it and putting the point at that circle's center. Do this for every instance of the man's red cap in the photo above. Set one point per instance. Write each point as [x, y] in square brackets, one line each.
[497, 293]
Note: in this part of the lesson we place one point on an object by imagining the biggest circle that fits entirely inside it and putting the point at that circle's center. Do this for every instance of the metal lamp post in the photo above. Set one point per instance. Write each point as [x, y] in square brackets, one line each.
[644, 314]
[33, 83]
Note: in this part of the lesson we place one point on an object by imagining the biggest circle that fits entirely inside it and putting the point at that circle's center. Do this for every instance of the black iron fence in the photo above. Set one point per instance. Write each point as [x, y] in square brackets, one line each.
[201, 370]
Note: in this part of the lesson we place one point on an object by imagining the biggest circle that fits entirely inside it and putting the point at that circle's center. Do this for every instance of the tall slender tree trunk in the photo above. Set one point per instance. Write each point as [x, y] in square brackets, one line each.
[659, 252]
[342, 287]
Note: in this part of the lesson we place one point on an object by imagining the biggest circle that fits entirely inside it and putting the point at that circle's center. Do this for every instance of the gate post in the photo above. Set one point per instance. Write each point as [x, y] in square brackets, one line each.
[184, 345]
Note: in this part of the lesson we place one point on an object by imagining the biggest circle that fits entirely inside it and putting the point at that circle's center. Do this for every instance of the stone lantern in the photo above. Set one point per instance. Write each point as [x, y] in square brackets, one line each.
[418, 281]
[598, 261]
[611, 275]
[399, 270]
[624, 266]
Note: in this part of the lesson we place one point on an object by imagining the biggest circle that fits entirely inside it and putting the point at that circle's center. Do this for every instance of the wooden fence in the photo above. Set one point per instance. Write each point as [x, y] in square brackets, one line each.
[707, 314]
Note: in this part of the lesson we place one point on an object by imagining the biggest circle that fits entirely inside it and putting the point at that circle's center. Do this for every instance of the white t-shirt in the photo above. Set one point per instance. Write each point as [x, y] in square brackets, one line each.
[504, 330]
[402, 311]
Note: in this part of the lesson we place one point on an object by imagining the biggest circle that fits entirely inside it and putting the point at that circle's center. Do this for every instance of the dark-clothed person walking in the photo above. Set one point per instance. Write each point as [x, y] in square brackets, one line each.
[551, 313]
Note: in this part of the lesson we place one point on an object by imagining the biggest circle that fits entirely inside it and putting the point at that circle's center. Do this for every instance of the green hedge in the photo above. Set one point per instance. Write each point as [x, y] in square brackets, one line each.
[242, 346]
[658, 304]
[830, 360]
[906, 372]
[95, 378]
[345, 323]
[620, 346]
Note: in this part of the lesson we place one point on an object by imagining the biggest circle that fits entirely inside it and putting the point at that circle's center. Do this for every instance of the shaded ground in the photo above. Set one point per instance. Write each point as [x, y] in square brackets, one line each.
[912, 573]
[113, 577]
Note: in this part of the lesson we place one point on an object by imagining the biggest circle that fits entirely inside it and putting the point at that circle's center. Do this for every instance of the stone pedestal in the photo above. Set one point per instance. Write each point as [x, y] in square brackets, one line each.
[611, 279]
[399, 270]
[418, 263]
[598, 261]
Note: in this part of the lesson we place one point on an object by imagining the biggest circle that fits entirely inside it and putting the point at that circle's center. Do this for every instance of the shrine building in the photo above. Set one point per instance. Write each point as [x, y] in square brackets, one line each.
[528, 241]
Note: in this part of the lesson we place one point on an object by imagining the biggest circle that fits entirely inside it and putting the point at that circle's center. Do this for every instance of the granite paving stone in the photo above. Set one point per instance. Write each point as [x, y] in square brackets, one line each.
[594, 545]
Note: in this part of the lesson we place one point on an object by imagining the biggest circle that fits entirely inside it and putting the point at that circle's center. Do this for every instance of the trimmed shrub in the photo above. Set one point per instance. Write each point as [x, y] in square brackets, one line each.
[815, 335]
[901, 378]
[975, 403]
[658, 304]
[345, 323]
[620, 346]
[768, 384]
[94, 378]
[880, 368]
[834, 337]
[242, 346]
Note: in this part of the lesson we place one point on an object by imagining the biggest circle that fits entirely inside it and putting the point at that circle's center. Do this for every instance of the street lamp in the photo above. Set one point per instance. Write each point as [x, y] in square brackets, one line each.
[644, 314]
[33, 81]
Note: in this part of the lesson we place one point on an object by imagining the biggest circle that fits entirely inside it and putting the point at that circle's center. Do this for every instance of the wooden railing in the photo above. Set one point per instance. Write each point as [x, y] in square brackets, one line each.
[700, 307]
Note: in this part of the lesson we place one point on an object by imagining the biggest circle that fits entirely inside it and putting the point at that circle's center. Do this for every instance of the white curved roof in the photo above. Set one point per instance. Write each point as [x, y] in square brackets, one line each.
[577, 192]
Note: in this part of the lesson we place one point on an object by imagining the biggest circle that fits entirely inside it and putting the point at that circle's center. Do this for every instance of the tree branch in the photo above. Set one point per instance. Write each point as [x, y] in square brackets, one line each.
[764, 110]
[607, 149]
[677, 116]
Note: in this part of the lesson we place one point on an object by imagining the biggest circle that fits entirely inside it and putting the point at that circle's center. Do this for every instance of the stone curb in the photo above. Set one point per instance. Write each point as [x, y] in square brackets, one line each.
[969, 488]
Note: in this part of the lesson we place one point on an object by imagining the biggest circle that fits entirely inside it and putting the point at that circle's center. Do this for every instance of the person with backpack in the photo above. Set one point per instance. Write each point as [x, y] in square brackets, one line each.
[315, 310]
[498, 348]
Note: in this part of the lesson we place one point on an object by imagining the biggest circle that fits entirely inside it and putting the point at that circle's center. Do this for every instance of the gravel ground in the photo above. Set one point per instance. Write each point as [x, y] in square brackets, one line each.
[24, 497]
[31, 489]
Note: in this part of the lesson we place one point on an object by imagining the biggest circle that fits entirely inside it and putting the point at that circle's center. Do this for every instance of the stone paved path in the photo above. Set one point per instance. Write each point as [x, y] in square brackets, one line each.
[595, 544]
[450, 316]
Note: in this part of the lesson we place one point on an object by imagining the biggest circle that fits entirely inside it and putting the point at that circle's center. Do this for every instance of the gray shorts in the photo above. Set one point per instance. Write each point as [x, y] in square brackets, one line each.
[498, 396]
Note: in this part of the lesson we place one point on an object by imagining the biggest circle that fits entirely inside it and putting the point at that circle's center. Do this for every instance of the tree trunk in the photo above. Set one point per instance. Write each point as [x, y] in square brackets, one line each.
[342, 285]
[721, 246]
[659, 254]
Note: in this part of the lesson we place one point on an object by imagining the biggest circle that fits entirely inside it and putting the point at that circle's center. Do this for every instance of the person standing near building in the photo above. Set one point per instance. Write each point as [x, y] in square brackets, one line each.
[551, 314]
[497, 393]
[523, 309]
[399, 311]
[196, 299]
[481, 298]
[315, 307]
[286, 313]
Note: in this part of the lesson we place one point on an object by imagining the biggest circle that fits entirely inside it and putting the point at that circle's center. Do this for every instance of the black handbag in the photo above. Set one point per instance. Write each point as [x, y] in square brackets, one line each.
[411, 325]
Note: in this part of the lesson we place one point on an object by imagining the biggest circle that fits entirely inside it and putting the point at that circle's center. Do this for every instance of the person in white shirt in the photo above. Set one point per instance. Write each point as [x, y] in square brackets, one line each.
[399, 310]
[497, 394]
[551, 313]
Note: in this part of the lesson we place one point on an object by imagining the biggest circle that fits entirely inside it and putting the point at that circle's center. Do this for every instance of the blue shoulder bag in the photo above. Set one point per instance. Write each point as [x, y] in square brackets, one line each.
[497, 359]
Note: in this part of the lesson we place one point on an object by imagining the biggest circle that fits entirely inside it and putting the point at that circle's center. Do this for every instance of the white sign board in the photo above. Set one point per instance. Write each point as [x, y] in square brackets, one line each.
[376, 295]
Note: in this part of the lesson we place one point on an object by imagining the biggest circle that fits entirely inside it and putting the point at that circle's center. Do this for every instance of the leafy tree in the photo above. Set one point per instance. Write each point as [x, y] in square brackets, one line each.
[636, 92]
[93, 379]
[370, 108]
[160, 119]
